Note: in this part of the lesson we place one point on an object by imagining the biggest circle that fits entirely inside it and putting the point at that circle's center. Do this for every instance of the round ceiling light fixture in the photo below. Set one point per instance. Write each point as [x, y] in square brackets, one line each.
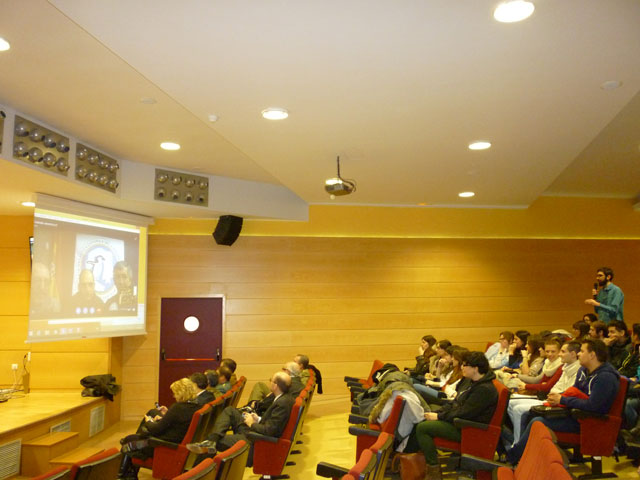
[481, 145]
[610, 85]
[466, 194]
[513, 11]
[274, 113]
[28, 204]
[170, 146]
[4, 45]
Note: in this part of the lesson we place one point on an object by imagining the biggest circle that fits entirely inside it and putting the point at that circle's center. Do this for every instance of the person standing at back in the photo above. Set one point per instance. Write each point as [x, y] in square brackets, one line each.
[608, 300]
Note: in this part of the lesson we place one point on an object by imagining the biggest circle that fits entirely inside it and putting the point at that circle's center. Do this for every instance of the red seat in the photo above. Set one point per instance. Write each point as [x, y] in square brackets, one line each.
[598, 433]
[366, 382]
[380, 451]
[205, 470]
[270, 453]
[541, 459]
[102, 466]
[169, 459]
[479, 440]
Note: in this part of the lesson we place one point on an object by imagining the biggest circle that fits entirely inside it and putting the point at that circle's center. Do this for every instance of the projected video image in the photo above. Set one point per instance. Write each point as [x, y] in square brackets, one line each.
[102, 278]
[85, 279]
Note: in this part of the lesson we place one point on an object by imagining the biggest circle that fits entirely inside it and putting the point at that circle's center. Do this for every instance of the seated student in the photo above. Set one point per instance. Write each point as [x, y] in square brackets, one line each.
[271, 423]
[426, 351]
[203, 396]
[552, 362]
[598, 330]
[477, 403]
[172, 427]
[498, 353]
[441, 351]
[224, 379]
[581, 330]
[596, 379]
[231, 365]
[444, 373]
[518, 408]
[303, 362]
[533, 358]
[618, 342]
[590, 318]
[515, 349]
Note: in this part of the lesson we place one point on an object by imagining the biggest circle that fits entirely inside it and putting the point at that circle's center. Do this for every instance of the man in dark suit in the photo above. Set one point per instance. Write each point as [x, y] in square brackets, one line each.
[204, 396]
[271, 423]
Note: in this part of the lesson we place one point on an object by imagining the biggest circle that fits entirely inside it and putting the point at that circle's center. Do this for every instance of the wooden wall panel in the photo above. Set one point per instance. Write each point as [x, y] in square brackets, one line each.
[347, 301]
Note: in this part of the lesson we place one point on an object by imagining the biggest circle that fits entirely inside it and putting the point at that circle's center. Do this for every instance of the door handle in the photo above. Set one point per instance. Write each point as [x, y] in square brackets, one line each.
[217, 354]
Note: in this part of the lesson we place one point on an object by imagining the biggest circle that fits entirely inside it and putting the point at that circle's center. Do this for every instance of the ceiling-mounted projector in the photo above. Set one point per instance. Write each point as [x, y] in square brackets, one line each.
[338, 186]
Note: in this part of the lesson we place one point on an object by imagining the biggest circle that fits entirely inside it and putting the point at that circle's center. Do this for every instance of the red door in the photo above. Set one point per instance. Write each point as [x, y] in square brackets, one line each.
[188, 346]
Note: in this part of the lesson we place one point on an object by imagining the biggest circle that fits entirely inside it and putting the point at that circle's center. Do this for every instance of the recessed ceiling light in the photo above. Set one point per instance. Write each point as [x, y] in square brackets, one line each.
[479, 145]
[28, 204]
[4, 45]
[513, 11]
[466, 194]
[610, 84]
[148, 100]
[213, 118]
[275, 113]
[170, 146]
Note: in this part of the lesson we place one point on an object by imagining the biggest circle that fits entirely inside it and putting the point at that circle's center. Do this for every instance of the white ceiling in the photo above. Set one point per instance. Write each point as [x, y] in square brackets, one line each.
[397, 89]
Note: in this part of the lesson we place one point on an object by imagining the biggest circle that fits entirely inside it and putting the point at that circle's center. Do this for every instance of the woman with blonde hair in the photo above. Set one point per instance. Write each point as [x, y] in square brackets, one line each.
[171, 427]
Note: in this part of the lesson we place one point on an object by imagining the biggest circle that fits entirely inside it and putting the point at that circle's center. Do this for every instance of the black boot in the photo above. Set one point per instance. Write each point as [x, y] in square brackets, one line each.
[127, 469]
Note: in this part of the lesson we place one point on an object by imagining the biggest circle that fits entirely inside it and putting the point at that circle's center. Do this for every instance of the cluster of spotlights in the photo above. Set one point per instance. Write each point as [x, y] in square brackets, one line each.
[96, 168]
[38, 145]
[181, 188]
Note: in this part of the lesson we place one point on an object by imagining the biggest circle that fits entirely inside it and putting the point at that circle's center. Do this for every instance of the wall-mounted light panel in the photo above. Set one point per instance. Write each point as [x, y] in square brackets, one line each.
[178, 187]
[96, 169]
[39, 146]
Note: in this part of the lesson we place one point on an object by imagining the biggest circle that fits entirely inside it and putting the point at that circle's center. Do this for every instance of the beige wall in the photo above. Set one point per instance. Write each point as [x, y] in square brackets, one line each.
[346, 301]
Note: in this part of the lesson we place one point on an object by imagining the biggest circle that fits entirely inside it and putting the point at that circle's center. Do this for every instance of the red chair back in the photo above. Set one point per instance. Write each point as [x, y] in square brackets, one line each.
[232, 462]
[269, 458]
[103, 465]
[365, 466]
[481, 442]
[598, 437]
[390, 426]
[170, 462]
[205, 470]
[60, 473]
[382, 449]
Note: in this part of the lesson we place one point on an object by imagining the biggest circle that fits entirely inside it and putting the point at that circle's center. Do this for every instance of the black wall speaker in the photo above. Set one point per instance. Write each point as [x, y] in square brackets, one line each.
[227, 230]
